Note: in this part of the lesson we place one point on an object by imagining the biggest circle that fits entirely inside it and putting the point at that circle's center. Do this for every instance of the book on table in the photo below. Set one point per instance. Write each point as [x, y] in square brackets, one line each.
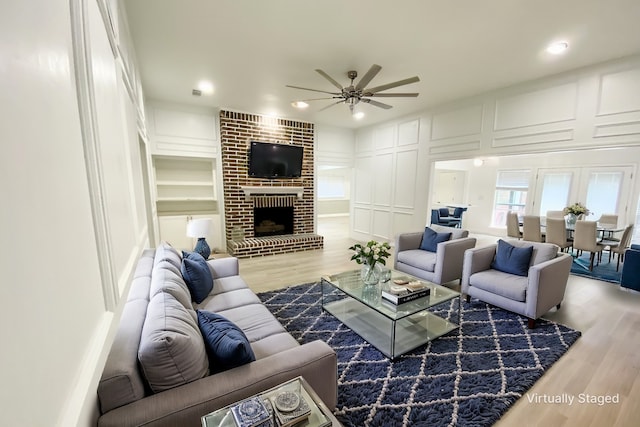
[290, 408]
[252, 412]
[404, 291]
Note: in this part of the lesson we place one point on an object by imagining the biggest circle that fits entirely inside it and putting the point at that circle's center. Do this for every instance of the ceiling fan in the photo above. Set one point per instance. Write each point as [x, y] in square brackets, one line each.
[353, 94]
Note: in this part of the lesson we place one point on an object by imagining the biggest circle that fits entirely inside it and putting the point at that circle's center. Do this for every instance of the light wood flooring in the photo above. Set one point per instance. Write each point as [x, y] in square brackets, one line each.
[605, 361]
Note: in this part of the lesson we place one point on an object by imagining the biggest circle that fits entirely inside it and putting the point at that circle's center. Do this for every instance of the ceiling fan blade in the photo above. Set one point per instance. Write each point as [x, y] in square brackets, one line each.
[314, 90]
[331, 105]
[376, 103]
[389, 95]
[318, 99]
[392, 85]
[328, 77]
[364, 81]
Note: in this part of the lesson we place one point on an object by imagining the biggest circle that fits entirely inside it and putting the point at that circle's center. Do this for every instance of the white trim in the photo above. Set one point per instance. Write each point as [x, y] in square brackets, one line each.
[93, 162]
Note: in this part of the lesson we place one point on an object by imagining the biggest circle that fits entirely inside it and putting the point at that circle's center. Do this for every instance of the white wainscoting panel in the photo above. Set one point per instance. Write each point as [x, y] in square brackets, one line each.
[549, 105]
[361, 220]
[383, 178]
[408, 133]
[363, 180]
[382, 225]
[184, 124]
[614, 92]
[364, 141]
[405, 179]
[460, 122]
[403, 223]
[384, 137]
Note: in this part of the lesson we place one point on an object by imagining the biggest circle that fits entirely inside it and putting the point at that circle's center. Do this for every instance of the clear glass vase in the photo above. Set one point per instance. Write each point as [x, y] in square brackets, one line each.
[571, 219]
[370, 275]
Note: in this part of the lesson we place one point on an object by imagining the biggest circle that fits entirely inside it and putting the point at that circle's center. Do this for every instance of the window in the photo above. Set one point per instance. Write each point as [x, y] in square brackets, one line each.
[331, 187]
[602, 193]
[511, 195]
[555, 191]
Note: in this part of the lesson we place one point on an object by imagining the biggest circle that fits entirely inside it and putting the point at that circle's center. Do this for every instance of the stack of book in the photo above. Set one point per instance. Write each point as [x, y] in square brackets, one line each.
[402, 291]
[290, 408]
[253, 412]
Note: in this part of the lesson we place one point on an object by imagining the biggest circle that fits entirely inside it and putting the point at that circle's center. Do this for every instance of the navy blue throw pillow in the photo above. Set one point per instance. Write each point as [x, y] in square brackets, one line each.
[196, 275]
[227, 346]
[512, 259]
[431, 238]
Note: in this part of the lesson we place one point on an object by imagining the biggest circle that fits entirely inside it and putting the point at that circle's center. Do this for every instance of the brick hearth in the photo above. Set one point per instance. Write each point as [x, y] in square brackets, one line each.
[237, 130]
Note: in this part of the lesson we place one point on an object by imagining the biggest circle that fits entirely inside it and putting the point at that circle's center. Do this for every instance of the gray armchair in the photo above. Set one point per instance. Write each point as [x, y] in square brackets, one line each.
[532, 295]
[442, 266]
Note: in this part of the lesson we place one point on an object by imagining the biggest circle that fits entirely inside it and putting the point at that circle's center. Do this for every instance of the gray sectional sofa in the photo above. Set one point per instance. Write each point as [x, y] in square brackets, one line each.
[157, 372]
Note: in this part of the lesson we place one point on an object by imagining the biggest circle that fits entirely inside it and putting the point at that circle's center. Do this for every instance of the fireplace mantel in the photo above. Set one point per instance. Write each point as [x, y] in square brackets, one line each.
[251, 190]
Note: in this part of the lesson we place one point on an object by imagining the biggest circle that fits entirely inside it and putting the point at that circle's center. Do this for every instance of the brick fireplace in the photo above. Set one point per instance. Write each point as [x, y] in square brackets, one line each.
[244, 195]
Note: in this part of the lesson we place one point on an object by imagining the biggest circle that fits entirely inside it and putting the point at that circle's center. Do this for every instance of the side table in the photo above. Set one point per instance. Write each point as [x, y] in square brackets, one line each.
[320, 416]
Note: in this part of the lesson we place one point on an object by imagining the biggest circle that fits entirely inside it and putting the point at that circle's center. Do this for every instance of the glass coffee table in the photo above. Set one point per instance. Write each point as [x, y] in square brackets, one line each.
[392, 329]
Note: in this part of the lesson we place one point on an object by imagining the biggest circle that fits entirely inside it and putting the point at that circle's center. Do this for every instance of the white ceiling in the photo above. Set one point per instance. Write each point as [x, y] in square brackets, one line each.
[251, 49]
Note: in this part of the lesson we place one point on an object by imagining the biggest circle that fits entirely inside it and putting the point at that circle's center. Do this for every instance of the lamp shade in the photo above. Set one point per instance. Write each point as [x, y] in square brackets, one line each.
[199, 227]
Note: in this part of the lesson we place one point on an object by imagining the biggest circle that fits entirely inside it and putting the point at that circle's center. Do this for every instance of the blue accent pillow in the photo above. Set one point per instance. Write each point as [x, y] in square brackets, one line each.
[197, 276]
[431, 238]
[512, 259]
[227, 346]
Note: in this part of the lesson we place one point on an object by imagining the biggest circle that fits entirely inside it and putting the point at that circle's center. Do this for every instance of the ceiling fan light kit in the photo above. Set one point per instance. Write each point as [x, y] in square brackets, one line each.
[353, 94]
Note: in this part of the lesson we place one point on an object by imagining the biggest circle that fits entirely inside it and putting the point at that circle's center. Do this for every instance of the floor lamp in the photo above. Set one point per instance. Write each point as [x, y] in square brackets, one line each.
[199, 229]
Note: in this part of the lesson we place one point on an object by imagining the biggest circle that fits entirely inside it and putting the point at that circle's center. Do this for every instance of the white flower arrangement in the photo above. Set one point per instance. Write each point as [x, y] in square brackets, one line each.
[371, 253]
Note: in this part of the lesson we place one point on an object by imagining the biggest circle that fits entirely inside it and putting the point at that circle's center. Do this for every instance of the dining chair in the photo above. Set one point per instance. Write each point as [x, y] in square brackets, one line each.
[608, 219]
[513, 228]
[618, 247]
[531, 228]
[585, 238]
[555, 214]
[556, 233]
[611, 219]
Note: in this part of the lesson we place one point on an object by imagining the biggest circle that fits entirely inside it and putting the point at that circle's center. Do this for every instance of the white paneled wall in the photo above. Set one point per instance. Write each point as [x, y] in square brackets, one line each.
[388, 181]
[586, 109]
[75, 217]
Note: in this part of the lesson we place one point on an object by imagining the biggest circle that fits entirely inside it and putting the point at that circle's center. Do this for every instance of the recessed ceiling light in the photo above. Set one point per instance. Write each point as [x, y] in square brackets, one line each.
[300, 104]
[359, 115]
[205, 87]
[557, 48]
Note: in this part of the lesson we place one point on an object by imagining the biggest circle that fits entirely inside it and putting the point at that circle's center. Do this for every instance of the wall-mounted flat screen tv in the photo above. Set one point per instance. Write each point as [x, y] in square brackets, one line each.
[267, 160]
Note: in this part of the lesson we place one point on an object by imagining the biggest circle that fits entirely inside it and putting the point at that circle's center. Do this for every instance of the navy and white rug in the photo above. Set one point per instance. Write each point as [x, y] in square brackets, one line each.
[469, 377]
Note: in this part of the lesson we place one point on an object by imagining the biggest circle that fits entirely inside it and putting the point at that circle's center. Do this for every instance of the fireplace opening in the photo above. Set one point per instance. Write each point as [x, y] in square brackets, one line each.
[273, 221]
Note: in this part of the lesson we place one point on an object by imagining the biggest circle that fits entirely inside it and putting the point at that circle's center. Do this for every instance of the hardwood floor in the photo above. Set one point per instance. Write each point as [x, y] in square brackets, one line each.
[603, 364]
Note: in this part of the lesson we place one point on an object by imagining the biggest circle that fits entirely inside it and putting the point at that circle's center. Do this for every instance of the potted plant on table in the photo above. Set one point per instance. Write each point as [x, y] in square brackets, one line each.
[372, 255]
[574, 211]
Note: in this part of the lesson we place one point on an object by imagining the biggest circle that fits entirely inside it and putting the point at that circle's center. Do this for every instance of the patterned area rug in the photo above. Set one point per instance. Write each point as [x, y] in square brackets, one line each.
[466, 378]
[605, 270]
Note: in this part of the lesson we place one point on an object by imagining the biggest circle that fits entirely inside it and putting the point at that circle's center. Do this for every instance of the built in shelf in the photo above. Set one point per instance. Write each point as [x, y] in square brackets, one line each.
[250, 191]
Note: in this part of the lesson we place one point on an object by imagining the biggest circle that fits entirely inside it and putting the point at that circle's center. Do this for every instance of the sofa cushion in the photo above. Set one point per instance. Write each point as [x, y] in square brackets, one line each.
[171, 352]
[418, 258]
[227, 300]
[431, 238]
[499, 283]
[255, 320]
[197, 275]
[227, 346]
[166, 252]
[167, 278]
[512, 259]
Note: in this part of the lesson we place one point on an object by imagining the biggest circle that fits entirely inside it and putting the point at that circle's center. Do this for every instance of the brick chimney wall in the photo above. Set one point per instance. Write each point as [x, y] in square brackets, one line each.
[237, 130]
